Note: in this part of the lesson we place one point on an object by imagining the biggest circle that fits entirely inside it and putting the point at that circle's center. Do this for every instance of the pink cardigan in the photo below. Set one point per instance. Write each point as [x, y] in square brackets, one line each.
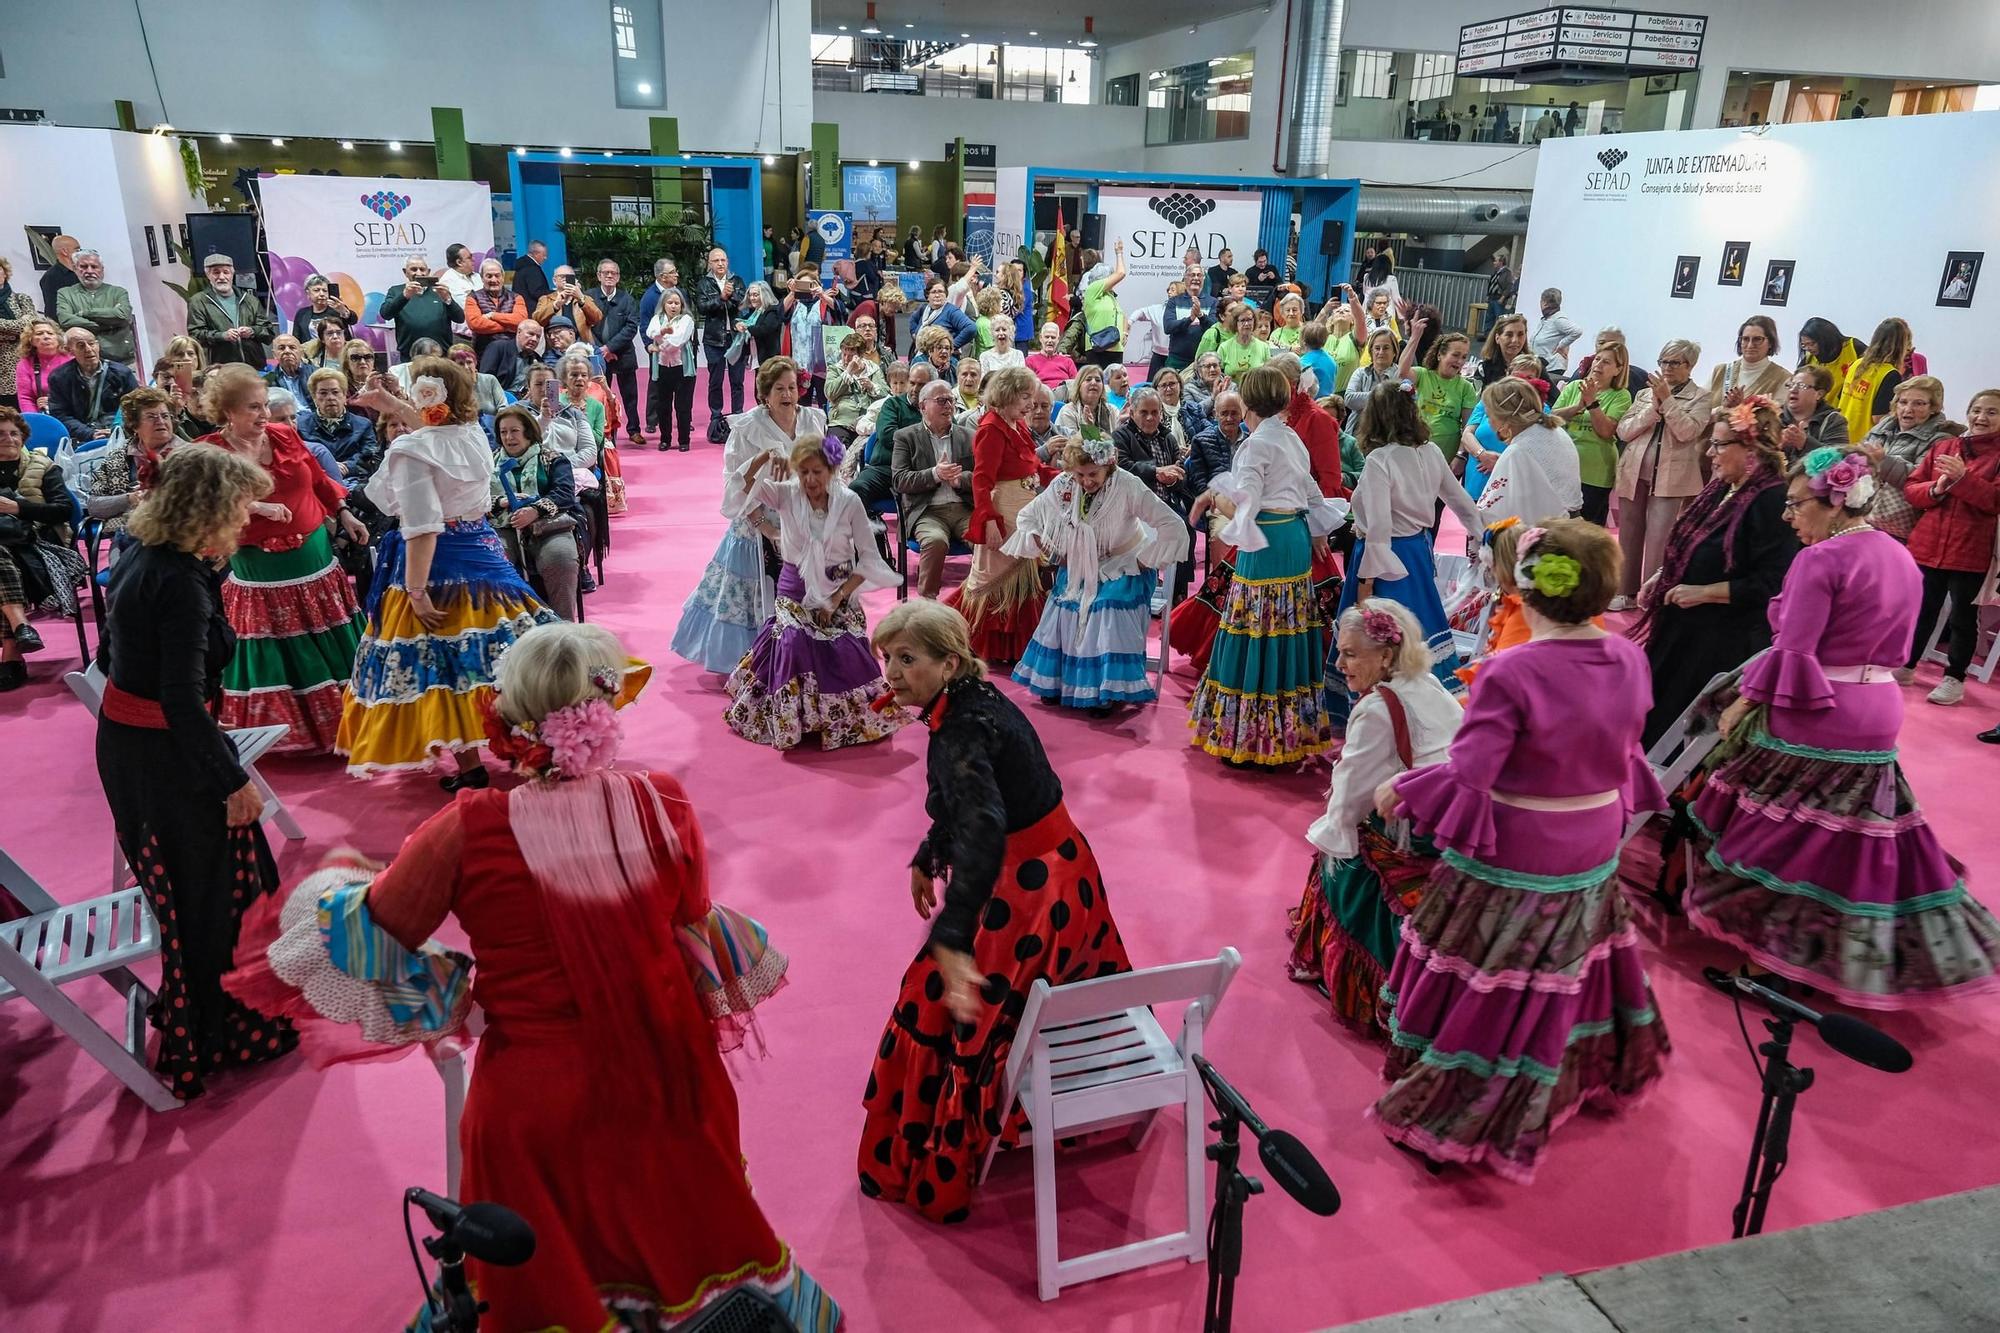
[24, 379]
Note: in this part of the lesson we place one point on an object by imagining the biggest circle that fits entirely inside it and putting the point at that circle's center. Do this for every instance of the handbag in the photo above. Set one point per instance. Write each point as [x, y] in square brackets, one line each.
[551, 527]
[1104, 339]
[15, 530]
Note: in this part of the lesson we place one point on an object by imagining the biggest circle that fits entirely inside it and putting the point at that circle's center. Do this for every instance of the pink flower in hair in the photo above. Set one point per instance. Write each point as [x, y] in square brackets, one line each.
[1381, 627]
[582, 737]
[1840, 478]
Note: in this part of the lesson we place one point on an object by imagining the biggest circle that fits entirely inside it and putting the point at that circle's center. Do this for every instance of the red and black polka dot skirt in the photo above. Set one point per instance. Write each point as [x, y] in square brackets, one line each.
[933, 1094]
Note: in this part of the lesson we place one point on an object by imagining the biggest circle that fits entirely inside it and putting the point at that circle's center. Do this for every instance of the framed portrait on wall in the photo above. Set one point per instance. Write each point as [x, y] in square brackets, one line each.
[1777, 282]
[1960, 278]
[152, 246]
[1686, 269]
[1735, 258]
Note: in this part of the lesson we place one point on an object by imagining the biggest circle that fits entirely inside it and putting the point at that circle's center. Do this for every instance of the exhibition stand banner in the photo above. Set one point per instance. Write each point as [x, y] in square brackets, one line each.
[1159, 224]
[358, 231]
[1685, 234]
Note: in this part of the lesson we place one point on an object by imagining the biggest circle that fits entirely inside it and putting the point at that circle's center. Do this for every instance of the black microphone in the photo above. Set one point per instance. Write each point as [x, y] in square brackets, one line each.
[486, 1231]
[1292, 1164]
[1858, 1041]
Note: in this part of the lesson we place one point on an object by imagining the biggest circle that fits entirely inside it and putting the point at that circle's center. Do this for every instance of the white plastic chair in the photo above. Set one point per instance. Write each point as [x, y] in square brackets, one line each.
[56, 944]
[1091, 1056]
[1158, 662]
[252, 744]
[1676, 755]
[1982, 668]
[452, 1070]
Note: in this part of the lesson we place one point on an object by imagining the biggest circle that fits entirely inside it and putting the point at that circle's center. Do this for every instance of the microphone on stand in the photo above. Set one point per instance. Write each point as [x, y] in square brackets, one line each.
[486, 1231]
[1296, 1169]
[1861, 1042]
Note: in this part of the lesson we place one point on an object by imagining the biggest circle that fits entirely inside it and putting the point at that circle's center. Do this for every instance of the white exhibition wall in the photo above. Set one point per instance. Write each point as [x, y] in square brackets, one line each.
[105, 188]
[1866, 211]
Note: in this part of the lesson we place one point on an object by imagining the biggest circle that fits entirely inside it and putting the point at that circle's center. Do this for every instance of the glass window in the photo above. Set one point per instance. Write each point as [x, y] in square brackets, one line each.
[951, 69]
[1418, 95]
[639, 64]
[1200, 103]
[1122, 91]
[1751, 98]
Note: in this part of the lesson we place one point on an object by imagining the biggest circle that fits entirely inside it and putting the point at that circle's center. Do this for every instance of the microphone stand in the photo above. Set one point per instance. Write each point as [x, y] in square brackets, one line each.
[461, 1307]
[1225, 1223]
[1770, 1145]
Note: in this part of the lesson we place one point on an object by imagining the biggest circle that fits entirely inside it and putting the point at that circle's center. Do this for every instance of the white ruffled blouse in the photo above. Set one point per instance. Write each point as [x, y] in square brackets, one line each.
[1537, 477]
[1272, 472]
[754, 436]
[1127, 528]
[1368, 757]
[1396, 497]
[814, 542]
[435, 475]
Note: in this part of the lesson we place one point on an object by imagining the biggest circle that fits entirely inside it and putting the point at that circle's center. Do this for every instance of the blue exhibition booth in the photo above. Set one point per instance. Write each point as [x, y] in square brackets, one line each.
[735, 195]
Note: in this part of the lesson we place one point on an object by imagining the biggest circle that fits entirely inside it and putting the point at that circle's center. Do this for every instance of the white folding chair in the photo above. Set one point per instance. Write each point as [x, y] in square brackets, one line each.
[1091, 1056]
[55, 944]
[252, 744]
[1157, 662]
[451, 1069]
[1676, 755]
[1982, 667]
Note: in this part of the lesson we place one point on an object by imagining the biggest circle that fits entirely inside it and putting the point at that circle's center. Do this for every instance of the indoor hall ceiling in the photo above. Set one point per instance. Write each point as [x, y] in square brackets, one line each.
[1056, 22]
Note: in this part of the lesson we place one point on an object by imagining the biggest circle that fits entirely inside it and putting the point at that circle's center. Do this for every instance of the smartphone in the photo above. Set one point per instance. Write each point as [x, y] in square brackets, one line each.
[549, 396]
[430, 281]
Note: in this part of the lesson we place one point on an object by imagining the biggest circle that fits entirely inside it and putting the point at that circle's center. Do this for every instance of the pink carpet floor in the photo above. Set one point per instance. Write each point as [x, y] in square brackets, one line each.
[273, 1201]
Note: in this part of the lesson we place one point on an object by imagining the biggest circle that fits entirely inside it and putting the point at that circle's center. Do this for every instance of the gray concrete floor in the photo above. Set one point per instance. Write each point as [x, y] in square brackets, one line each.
[1930, 1267]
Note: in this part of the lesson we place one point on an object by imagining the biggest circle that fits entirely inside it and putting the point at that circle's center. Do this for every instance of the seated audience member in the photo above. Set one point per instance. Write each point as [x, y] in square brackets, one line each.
[38, 356]
[1146, 448]
[1087, 403]
[568, 301]
[44, 568]
[359, 362]
[1003, 353]
[345, 434]
[938, 312]
[535, 509]
[1379, 370]
[122, 480]
[1898, 443]
[1205, 378]
[1040, 422]
[1956, 493]
[1809, 422]
[282, 409]
[493, 311]
[932, 468]
[329, 342]
[322, 304]
[854, 383]
[487, 391]
[1048, 363]
[968, 378]
[875, 482]
[1211, 451]
[1726, 557]
[84, 394]
[508, 359]
[290, 371]
[564, 339]
[934, 345]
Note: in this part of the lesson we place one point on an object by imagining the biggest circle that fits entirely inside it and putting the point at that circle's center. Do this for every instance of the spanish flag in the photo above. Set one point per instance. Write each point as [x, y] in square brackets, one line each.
[1059, 270]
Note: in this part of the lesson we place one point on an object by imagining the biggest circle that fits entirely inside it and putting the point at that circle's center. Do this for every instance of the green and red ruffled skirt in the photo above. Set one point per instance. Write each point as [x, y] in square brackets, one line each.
[297, 626]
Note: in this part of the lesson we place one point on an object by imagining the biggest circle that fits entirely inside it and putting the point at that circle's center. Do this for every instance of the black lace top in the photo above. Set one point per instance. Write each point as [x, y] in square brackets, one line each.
[988, 777]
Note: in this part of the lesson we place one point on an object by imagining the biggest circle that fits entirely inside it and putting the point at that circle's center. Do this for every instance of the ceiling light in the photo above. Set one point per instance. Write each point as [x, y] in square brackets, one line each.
[869, 27]
[909, 25]
[1033, 33]
[915, 165]
[225, 138]
[609, 153]
[277, 143]
[770, 159]
[874, 162]
[1089, 33]
[395, 145]
[564, 151]
[520, 152]
[962, 36]
[842, 27]
[348, 144]
[1072, 76]
[1217, 61]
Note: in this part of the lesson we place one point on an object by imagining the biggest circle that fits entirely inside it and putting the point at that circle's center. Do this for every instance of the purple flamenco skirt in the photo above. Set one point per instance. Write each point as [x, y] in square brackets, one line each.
[803, 677]
[1515, 1001]
[1818, 864]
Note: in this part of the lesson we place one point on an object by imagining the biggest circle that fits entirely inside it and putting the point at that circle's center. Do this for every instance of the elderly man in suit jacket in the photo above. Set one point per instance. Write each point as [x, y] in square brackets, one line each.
[932, 467]
[229, 322]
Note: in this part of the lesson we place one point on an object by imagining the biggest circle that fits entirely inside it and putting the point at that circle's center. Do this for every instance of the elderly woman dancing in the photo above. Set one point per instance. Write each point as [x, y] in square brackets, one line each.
[1813, 855]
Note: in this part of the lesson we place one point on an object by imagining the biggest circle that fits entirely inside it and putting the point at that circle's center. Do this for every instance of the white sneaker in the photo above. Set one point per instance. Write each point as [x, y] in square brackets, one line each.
[1621, 604]
[1905, 675]
[1949, 691]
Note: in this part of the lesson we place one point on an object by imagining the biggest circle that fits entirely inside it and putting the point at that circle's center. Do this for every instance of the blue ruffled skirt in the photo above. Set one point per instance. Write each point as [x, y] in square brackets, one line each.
[1088, 665]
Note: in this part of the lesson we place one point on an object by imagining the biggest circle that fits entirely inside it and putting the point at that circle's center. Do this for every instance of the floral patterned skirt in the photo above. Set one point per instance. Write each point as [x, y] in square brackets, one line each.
[1259, 701]
[804, 676]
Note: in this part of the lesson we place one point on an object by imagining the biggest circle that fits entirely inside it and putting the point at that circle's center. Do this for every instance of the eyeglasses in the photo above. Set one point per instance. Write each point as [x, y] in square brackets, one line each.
[1674, 362]
[1792, 505]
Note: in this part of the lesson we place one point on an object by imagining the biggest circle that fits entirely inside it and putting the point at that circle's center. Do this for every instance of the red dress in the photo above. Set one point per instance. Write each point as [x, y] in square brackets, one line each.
[1001, 599]
[630, 1172]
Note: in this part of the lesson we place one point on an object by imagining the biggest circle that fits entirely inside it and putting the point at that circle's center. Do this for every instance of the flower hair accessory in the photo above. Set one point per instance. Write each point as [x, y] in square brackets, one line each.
[1098, 447]
[1381, 627]
[1553, 574]
[433, 403]
[1843, 480]
[1743, 416]
[568, 743]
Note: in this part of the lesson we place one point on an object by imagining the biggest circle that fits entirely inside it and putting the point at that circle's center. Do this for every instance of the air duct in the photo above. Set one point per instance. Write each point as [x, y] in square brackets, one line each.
[1432, 210]
[1310, 151]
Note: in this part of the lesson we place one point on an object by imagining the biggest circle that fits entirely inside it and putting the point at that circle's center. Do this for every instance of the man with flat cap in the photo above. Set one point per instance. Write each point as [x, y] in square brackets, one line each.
[230, 325]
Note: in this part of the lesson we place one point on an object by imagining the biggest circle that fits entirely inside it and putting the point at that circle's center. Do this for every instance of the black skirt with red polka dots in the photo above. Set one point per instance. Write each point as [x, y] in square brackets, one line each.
[199, 875]
[933, 1095]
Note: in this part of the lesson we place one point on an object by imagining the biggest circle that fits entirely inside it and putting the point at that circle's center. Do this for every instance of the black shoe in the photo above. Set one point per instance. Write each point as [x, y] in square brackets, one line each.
[664, 446]
[467, 779]
[717, 432]
[684, 446]
[585, 583]
[1991, 736]
[27, 638]
[13, 675]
